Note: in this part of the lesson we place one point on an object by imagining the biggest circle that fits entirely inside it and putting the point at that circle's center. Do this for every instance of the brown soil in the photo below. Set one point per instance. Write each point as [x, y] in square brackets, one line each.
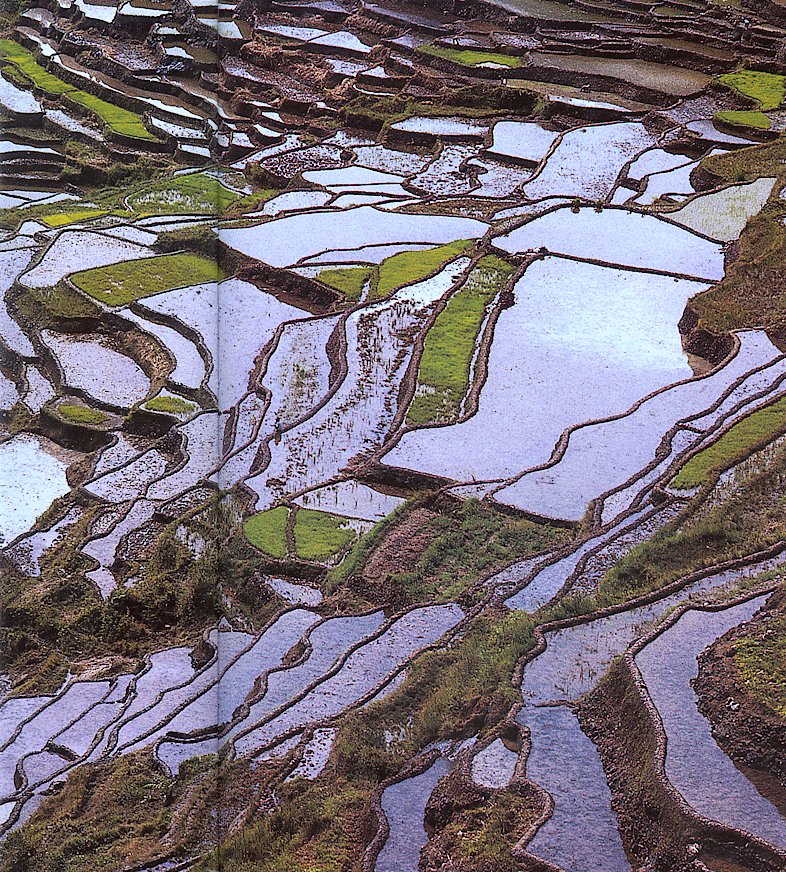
[400, 550]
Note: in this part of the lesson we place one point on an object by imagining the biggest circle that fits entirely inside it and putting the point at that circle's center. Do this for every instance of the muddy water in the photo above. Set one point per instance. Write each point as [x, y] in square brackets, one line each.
[695, 764]
[404, 805]
[581, 835]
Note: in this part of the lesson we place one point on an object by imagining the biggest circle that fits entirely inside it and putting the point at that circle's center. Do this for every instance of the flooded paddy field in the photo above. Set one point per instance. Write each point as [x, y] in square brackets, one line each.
[391, 432]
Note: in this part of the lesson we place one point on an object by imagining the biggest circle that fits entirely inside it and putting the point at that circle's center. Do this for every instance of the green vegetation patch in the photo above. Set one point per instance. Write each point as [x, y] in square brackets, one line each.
[761, 662]
[122, 283]
[170, 405]
[115, 118]
[441, 555]
[320, 535]
[408, 267]
[348, 281]
[752, 432]
[61, 219]
[470, 57]
[769, 89]
[192, 194]
[80, 414]
[268, 531]
[744, 118]
[108, 815]
[444, 373]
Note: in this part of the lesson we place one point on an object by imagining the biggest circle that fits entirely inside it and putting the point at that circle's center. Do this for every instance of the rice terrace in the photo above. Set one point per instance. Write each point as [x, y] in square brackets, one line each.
[393, 435]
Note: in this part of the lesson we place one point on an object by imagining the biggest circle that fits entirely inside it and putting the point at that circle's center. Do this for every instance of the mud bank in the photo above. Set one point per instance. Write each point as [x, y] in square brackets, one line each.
[749, 731]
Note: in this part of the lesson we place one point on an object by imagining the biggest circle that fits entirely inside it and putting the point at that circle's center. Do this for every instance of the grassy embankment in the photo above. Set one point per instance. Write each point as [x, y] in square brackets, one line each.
[199, 193]
[108, 816]
[444, 372]
[122, 283]
[746, 436]
[394, 272]
[767, 89]
[113, 118]
[760, 658]
[752, 519]
[453, 550]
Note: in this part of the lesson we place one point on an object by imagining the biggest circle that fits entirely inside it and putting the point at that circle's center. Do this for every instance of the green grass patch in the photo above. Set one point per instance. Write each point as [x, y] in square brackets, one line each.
[122, 283]
[752, 432]
[320, 535]
[115, 118]
[470, 57]
[744, 118]
[61, 219]
[769, 89]
[444, 373]
[408, 267]
[267, 531]
[760, 659]
[170, 405]
[80, 414]
[192, 194]
[348, 281]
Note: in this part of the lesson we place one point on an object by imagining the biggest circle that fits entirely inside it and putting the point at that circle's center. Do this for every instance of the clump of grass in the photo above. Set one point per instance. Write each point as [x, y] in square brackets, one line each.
[80, 414]
[444, 373]
[348, 281]
[470, 57]
[192, 194]
[408, 267]
[170, 405]
[753, 431]
[115, 118]
[320, 535]
[122, 283]
[768, 89]
[267, 531]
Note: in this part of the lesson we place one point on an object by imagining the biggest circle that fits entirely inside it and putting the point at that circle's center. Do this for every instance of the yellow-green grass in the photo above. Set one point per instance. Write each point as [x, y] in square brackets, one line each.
[193, 194]
[170, 405]
[122, 283]
[744, 118]
[320, 535]
[746, 435]
[348, 281]
[115, 118]
[470, 57]
[768, 89]
[408, 267]
[80, 414]
[267, 531]
[761, 663]
[444, 373]
[61, 219]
